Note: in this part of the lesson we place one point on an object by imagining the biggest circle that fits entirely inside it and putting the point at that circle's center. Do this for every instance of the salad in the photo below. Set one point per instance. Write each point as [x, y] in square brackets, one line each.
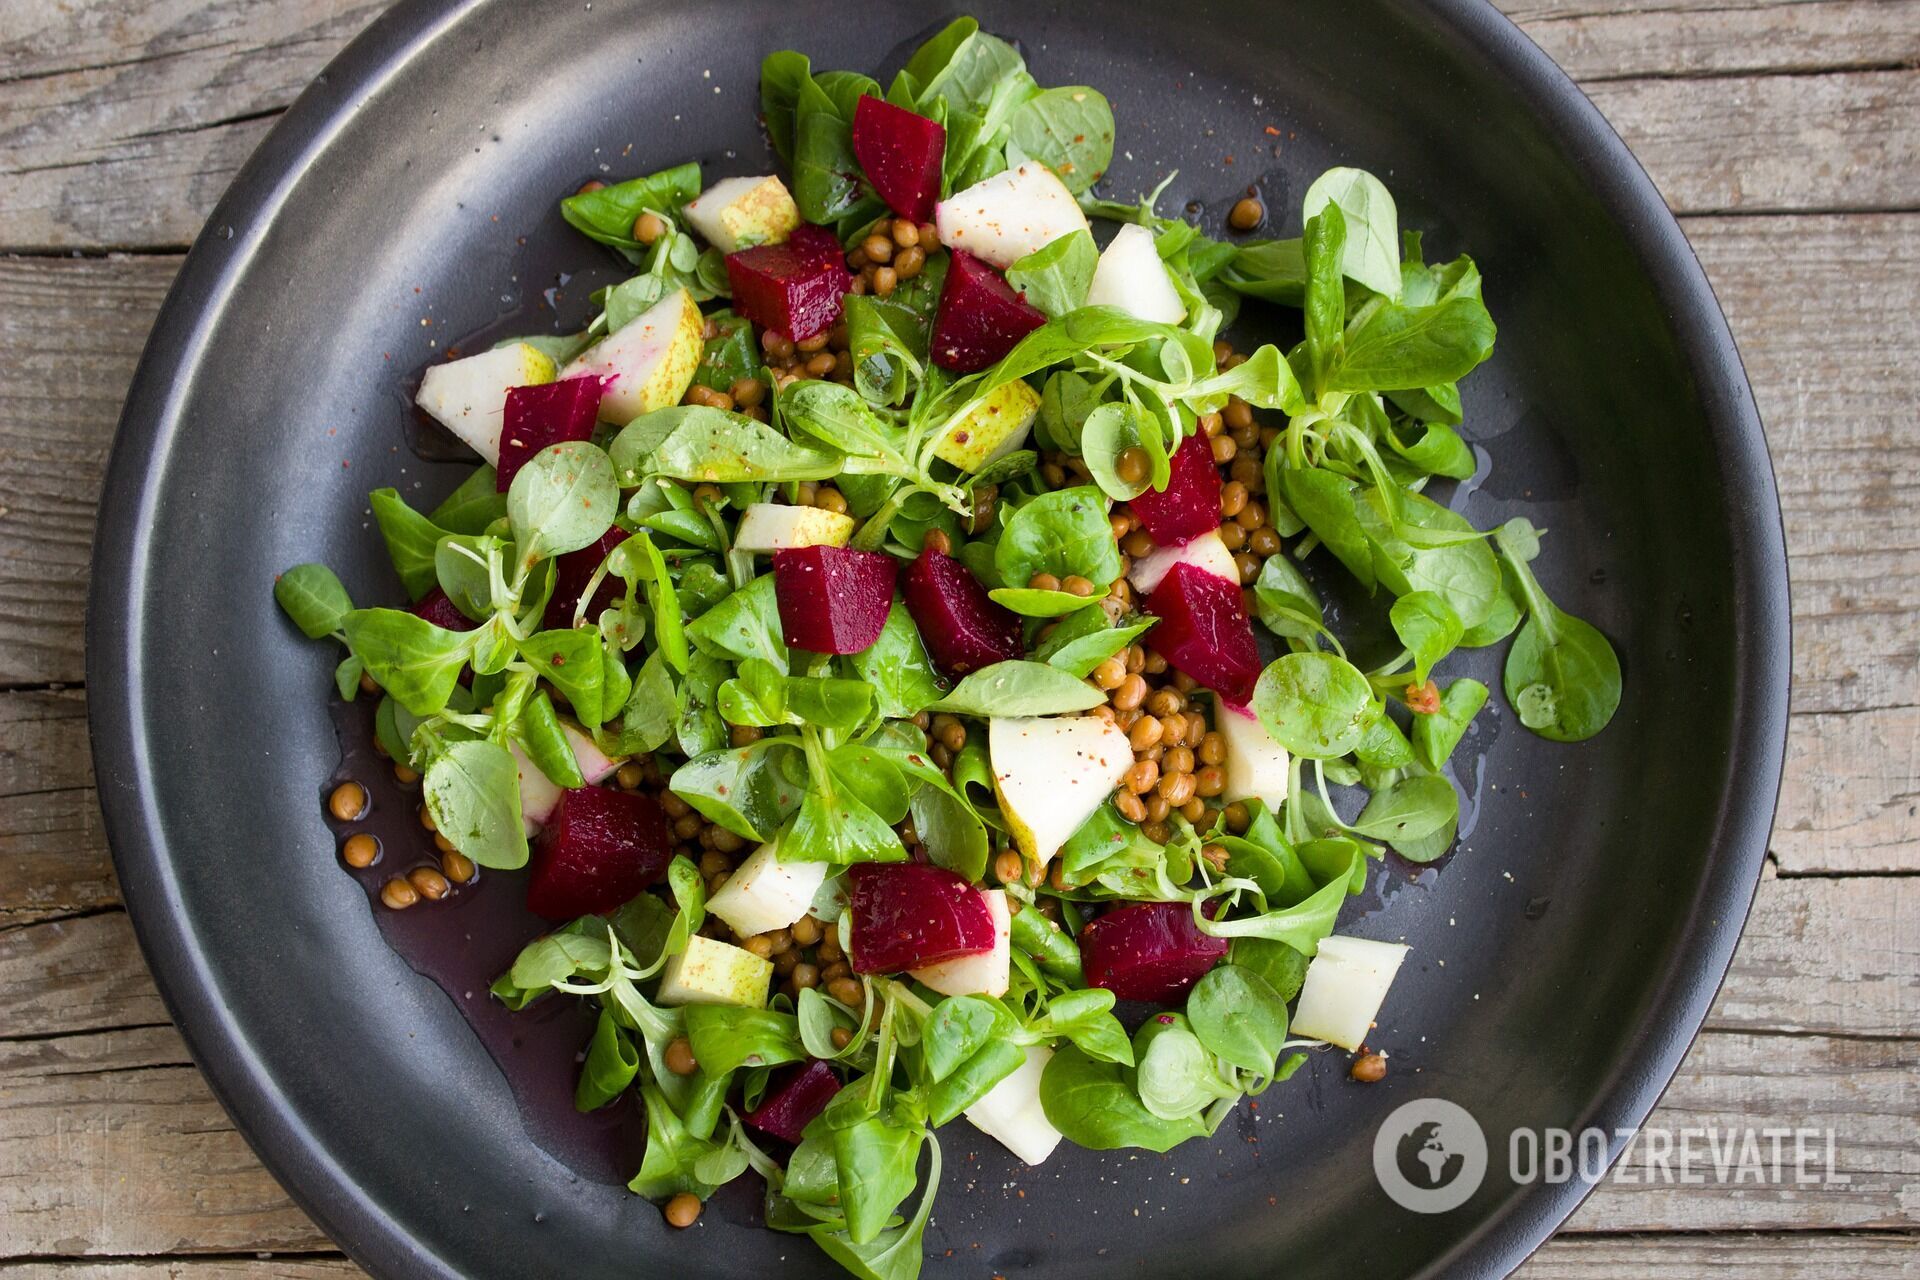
[850, 637]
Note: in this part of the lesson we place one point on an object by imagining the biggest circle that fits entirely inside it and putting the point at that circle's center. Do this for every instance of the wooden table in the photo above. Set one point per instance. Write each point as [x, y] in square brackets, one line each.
[1785, 134]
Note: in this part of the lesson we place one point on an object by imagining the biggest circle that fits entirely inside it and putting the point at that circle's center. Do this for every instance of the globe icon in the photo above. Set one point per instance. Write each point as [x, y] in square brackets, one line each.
[1424, 1158]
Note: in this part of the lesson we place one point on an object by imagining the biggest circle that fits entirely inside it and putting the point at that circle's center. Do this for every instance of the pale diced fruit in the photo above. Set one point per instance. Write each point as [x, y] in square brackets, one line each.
[986, 974]
[739, 213]
[1011, 1113]
[765, 894]
[1051, 773]
[1257, 766]
[649, 362]
[995, 428]
[1131, 276]
[1346, 984]
[776, 526]
[712, 972]
[595, 764]
[1206, 552]
[468, 396]
[1016, 212]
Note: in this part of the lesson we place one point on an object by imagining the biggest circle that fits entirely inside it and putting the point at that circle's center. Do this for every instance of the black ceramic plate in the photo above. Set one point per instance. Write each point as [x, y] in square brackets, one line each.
[1563, 958]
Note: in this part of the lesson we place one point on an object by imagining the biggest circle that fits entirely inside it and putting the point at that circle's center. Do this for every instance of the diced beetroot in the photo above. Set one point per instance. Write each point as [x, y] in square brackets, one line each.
[1190, 504]
[793, 288]
[790, 1105]
[549, 414]
[1204, 631]
[907, 915]
[1148, 951]
[438, 608]
[832, 600]
[599, 849]
[571, 574]
[980, 316]
[963, 628]
[901, 153]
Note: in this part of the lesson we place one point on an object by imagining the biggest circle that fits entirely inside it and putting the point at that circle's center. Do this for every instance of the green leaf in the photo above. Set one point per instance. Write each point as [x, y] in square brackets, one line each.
[1030, 602]
[1428, 627]
[1068, 129]
[994, 1062]
[1562, 675]
[726, 1037]
[610, 1067]
[877, 1163]
[1086, 1019]
[545, 741]
[1055, 278]
[1095, 1104]
[744, 625]
[1175, 1079]
[313, 598]
[896, 665]
[475, 504]
[1109, 431]
[1019, 688]
[417, 663]
[953, 833]
[1435, 736]
[1326, 300]
[1390, 346]
[1091, 642]
[1065, 533]
[563, 499]
[827, 182]
[472, 789]
[1409, 809]
[1371, 253]
[1283, 968]
[608, 214]
[571, 660]
[893, 1254]
[1313, 704]
[747, 789]
[410, 538]
[700, 443]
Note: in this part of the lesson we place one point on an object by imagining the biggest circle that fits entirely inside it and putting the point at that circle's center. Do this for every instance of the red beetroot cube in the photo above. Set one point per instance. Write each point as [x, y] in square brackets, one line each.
[1148, 951]
[571, 574]
[907, 915]
[791, 1104]
[980, 317]
[832, 600]
[901, 153]
[598, 850]
[963, 628]
[438, 608]
[793, 288]
[1204, 631]
[549, 414]
[1190, 504]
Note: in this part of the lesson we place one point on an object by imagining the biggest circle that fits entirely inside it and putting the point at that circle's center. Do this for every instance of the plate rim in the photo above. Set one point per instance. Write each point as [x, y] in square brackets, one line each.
[150, 418]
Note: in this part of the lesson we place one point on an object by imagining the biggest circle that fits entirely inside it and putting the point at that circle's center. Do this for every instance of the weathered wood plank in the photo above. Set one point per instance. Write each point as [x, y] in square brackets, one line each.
[265, 1267]
[1850, 793]
[53, 855]
[1866, 1091]
[121, 129]
[83, 974]
[1798, 1256]
[1618, 39]
[112, 1144]
[129, 144]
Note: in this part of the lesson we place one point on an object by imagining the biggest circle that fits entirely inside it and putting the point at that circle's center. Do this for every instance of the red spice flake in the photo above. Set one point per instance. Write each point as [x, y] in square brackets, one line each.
[1229, 159]
[1272, 132]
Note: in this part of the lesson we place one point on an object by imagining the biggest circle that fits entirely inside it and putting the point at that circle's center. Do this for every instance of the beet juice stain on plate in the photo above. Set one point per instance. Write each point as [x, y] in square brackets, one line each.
[463, 942]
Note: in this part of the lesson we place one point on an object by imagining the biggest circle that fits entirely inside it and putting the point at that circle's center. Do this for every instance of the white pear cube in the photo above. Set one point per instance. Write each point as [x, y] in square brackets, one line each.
[1345, 987]
[739, 213]
[649, 362]
[985, 974]
[1206, 552]
[765, 894]
[468, 396]
[778, 526]
[1051, 773]
[1257, 766]
[710, 972]
[1131, 276]
[997, 427]
[539, 795]
[1016, 212]
[1011, 1113]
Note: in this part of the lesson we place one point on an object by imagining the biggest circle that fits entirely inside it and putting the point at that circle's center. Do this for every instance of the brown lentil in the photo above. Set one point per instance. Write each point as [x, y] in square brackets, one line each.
[1130, 807]
[1156, 829]
[405, 775]
[1130, 693]
[1156, 663]
[348, 803]
[398, 894]
[1132, 465]
[683, 1210]
[1263, 542]
[885, 280]
[590, 186]
[1233, 537]
[458, 867]
[1209, 780]
[631, 775]
[1249, 566]
[841, 1037]
[1238, 414]
[1215, 856]
[1369, 1068]
[1246, 214]
[761, 945]
[1194, 810]
[806, 931]
[1074, 584]
[1233, 498]
[1213, 749]
[443, 844]
[1141, 775]
[429, 883]
[679, 1056]
[360, 850]
[847, 991]
[909, 262]
[1008, 867]
[649, 227]
[1044, 581]
[1238, 818]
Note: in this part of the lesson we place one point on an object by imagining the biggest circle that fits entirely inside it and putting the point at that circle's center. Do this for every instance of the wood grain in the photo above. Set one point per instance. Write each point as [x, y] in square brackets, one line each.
[1603, 41]
[128, 138]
